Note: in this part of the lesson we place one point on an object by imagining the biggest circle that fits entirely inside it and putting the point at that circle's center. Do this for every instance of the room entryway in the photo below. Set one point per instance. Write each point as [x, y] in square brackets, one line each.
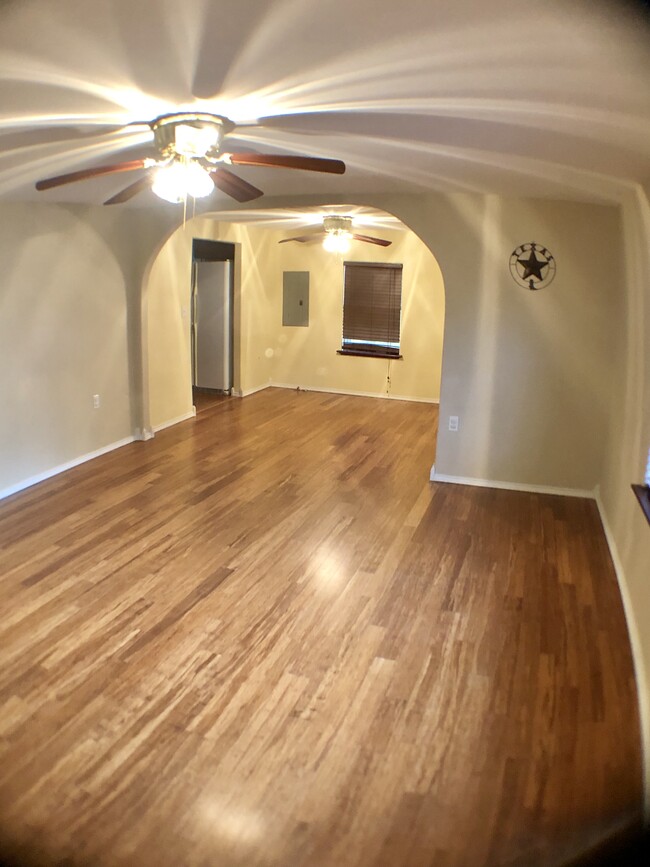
[211, 320]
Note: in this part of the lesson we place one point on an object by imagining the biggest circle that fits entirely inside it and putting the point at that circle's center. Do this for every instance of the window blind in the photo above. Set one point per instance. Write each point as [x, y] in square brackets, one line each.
[371, 307]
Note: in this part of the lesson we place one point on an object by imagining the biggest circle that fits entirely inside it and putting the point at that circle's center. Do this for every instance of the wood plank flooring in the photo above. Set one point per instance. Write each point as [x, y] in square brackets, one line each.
[265, 638]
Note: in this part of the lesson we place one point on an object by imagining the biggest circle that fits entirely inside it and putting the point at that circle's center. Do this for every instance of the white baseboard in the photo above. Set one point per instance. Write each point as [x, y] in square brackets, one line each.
[173, 421]
[61, 468]
[379, 394]
[511, 486]
[642, 684]
[240, 393]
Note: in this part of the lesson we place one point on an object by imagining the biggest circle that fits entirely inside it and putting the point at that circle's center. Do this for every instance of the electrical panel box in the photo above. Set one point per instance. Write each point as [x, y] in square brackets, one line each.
[295, 298]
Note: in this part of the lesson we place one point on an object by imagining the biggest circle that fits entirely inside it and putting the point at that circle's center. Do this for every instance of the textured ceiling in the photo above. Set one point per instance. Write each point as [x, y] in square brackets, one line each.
[507, 96]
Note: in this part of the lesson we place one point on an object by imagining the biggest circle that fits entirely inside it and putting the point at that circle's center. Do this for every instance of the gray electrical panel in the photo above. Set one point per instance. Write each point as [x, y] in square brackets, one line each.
[295, 298]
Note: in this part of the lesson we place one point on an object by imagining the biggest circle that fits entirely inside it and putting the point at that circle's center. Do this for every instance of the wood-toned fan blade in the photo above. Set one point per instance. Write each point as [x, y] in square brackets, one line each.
[369, 240]
[315, 236]
[282, 161]
[130, 191]
[233, 186]
[71, 177]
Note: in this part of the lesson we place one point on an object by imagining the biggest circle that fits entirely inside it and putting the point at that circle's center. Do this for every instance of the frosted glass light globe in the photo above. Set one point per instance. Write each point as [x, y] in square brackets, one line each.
[179, 180]
[337, 242]
[198, 182]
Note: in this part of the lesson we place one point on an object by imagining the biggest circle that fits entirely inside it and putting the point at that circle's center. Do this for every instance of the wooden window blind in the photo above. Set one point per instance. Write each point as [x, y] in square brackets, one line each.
[372, 305]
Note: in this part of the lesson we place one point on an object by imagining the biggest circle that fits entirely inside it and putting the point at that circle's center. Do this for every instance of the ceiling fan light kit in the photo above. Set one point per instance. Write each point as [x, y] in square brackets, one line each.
[190, 135]
[180, 179]
[338, 233]
[191, 162]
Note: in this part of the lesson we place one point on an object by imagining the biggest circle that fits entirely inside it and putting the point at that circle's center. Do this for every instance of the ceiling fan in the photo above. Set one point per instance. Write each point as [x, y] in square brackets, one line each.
[190, 162]
[337, 235]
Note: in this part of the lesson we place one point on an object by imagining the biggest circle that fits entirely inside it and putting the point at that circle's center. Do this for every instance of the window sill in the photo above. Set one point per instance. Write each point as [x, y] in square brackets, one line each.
[643, 496]
[360, 354]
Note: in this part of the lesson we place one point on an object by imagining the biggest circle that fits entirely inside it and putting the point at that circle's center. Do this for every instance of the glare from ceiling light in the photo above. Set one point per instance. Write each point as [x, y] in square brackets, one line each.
[192, 141]
[181, 179]
[337, 242]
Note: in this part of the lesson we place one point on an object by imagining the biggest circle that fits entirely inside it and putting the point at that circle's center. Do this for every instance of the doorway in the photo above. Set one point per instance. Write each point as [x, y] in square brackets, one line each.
[211, 325]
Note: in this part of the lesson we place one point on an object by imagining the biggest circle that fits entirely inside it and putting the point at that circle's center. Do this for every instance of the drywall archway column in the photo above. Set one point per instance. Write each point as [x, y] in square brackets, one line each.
[166, 303]
[137, 237]
[140, 313]
[134, 237]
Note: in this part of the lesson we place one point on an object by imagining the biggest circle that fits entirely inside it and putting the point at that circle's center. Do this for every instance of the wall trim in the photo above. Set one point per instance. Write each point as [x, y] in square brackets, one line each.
[640, 674]
[173, 421]
[293, 387]
[380, 394]
[511, 486]
[240, 393]
[61, 468]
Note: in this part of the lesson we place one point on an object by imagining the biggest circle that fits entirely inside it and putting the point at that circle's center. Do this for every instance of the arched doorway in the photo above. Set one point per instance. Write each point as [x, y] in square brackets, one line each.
[269, 353]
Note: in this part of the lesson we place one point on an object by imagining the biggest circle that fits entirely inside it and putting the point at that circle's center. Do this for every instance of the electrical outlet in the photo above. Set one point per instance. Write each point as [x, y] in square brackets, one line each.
[95, 401]
[453, 422]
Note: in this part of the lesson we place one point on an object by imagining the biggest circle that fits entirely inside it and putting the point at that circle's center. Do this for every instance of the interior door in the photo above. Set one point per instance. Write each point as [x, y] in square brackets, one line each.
[212, 326]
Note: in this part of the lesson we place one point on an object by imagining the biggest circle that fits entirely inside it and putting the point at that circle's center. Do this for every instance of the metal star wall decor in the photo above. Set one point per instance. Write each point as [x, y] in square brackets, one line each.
[532, 266]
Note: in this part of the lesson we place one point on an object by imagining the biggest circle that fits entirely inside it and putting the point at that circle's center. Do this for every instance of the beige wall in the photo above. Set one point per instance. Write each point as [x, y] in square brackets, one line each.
[167, 291]
[69, 329]
[307, 357]
[535, 367]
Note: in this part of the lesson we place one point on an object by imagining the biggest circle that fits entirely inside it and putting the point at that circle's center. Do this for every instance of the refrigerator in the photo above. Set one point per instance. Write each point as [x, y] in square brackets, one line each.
[211, 326]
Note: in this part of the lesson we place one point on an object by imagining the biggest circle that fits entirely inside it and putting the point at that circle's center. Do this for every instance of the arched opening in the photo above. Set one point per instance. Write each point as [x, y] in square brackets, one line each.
[270, 353]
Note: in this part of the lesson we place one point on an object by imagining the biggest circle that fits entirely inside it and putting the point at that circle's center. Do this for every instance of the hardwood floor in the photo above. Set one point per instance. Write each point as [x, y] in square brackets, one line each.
[265, 638]
[203, 399]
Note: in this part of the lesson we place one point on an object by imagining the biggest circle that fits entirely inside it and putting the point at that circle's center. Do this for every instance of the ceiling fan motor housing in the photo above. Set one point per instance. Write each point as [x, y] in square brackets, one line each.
[192, 135]
[334, 223]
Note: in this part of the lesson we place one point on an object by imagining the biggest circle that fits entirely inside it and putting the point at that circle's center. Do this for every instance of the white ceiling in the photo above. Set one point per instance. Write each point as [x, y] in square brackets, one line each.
[516, 97]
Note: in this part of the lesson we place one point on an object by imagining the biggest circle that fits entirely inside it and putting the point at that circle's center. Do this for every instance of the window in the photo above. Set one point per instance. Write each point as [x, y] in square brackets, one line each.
[372, 304]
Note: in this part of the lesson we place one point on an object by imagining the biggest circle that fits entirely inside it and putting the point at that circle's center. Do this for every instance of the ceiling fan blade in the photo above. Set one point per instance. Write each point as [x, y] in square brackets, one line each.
[315, 236]
[369, 240]
[286, 161]
[70, 178]
[234, 186]
[130, 191]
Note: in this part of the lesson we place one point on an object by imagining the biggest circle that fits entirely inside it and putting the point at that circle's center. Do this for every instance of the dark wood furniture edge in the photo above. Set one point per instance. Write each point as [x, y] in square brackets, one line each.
[643, 496]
